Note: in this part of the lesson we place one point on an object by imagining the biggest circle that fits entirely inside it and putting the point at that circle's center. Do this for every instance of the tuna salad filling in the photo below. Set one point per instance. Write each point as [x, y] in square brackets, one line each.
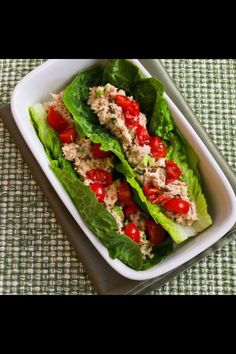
[159, 177]
[96, 169]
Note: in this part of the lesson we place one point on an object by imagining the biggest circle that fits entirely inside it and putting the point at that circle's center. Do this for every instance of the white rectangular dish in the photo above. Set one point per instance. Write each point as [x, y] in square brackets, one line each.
[54, 75]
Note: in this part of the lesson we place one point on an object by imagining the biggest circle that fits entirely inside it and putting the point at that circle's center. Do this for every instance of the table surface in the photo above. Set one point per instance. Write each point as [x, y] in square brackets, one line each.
[35, 256]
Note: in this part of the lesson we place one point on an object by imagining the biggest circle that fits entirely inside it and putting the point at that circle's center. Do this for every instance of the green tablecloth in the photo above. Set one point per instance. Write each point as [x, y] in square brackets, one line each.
[35, 256]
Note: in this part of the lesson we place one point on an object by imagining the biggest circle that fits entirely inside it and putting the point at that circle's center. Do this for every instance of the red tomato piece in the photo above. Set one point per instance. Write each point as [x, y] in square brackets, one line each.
[155, 232]
[143, 136]
[150, 191]
[161, 199]
[152, 194]
[129, 210]
[68, 136]
[98, 153]
[132, 231]
[123, 102]
[125, 194]
[56, 120]
[131, 120]
[177, 205]
[135, 108]
[100, 176]
[173, 171]
[158, 148]
[99, 190]
[127, 105]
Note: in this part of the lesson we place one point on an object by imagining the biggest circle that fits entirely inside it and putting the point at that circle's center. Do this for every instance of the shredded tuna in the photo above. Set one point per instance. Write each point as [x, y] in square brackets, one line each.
[145, 246]
[177, 188]
[109, 113]
[142, 120]
[157, 178]
[136, 153]
[83, 160]
[111, 195]
[70, 151]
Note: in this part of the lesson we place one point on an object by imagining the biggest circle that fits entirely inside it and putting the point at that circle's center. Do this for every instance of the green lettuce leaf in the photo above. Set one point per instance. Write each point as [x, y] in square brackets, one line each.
[121, 73]
[97, 218]
[100, 221]
[75, 98]
[161, 123]
[49, 138]
[149, 93]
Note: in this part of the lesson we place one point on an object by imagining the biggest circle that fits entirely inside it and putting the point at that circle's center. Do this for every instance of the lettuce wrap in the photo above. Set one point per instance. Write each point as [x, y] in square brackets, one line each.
[149, 93]
[94, 214]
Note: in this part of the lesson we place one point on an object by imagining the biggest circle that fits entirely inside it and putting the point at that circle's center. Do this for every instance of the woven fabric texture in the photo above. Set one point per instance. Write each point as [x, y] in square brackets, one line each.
[35, 256]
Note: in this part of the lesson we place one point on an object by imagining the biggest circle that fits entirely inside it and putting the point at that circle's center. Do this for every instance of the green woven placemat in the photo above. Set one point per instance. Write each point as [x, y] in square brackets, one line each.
[35, 256]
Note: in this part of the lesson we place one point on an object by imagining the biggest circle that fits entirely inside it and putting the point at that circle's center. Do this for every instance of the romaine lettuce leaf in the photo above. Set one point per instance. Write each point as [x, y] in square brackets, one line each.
[75, 98]
[121, 73]
[97, 218]
[49, 138]
[100, 221]
[149, 93]
[161, 123]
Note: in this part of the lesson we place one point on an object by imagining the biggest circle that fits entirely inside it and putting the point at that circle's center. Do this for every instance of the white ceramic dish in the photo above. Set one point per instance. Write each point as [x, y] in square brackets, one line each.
[53, 76]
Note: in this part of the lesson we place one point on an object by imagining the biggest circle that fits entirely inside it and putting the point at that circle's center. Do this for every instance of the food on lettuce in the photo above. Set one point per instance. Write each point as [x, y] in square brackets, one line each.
[128, 115]
[102, 196]
[162, 175]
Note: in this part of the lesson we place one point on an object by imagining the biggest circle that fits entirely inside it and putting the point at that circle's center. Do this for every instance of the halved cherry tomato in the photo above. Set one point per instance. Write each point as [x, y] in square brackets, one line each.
[161, 199]
[68, 135]
[134, 108]
[123, 102]
[173, 171]
[100, 176]
[131, 120]
[151, 191]
[125, 194]
[155, 232]
[56, 120]
[158, 148]
[99, 190]
[98, 153]
[128, 105]
[152, 194]
[143, 136]
[177, 205]
[130, 210]
[132, 231]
